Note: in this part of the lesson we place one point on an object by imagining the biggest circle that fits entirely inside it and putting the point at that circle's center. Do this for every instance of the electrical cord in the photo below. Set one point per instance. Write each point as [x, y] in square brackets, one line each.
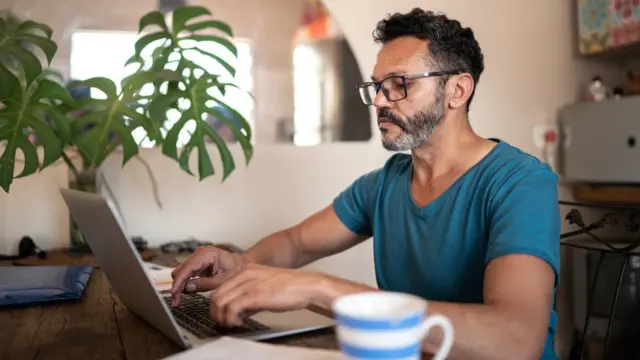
[575, 218]
[26, 248]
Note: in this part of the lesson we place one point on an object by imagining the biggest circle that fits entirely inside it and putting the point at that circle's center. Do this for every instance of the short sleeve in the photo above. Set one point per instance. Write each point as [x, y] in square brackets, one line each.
[525, 218]
[354, 204]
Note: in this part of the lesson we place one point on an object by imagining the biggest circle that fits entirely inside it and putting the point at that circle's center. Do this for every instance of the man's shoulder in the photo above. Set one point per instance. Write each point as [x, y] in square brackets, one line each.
[511, 164]
[513, 173]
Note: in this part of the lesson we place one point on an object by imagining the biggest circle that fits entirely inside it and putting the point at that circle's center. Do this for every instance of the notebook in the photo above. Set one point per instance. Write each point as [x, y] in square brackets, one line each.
[26, 285]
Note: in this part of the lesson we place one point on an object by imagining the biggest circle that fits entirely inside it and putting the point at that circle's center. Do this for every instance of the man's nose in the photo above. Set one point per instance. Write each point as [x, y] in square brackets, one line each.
[380, 100]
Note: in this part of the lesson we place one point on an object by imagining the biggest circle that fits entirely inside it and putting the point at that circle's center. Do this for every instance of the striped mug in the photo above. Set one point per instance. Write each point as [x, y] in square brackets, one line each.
[387, 325]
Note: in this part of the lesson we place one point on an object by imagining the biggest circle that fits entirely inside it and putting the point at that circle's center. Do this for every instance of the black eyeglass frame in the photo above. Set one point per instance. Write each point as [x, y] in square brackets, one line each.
[378, 84]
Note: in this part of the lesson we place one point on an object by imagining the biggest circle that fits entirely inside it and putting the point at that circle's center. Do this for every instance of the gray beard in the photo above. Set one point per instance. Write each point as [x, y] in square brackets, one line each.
[417, 129]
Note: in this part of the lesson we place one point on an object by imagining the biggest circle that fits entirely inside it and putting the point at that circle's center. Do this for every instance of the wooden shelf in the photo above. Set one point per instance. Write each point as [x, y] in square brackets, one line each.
[610, 194]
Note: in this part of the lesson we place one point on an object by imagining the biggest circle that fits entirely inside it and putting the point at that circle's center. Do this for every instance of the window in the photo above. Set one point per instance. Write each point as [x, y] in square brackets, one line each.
[104, 53]
[307, 103]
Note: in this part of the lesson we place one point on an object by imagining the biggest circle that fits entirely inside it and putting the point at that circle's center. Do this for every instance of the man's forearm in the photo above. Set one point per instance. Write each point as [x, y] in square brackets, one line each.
[489, 332]
[329, 288]
[277, 250]
[481, 331]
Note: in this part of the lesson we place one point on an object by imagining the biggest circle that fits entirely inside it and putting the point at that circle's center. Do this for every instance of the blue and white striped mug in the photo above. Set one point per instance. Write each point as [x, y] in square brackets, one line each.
[387, 325]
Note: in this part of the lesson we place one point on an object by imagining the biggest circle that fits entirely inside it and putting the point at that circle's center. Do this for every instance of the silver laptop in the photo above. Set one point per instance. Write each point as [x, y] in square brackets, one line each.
[188, 325]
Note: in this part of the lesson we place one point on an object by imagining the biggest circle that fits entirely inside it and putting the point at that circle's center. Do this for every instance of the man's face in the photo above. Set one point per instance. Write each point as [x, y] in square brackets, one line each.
[407, 124]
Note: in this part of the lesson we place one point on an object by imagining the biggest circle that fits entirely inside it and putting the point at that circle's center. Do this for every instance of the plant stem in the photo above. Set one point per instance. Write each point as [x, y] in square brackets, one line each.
[154, 183]
[72, 167]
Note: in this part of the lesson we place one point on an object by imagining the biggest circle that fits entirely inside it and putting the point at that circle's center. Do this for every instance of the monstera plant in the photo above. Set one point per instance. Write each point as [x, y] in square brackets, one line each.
[38, 112]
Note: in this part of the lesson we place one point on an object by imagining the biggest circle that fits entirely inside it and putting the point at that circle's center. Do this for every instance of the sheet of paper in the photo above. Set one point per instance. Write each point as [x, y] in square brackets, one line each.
[161, 275]
[228, 348]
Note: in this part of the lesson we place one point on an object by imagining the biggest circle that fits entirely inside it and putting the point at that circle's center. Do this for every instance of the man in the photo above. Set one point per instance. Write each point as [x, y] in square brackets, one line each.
[469, 224]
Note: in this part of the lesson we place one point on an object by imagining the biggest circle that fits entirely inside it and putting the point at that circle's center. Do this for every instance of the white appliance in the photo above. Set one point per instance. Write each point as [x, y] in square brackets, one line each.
[600, 141]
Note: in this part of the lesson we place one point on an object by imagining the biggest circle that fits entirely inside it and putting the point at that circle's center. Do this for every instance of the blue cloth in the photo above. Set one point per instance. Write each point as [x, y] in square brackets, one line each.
[27, 285]
[506, 204]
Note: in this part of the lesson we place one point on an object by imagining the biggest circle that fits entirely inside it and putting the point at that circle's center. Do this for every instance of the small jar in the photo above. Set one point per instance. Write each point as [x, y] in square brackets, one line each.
[597, 90]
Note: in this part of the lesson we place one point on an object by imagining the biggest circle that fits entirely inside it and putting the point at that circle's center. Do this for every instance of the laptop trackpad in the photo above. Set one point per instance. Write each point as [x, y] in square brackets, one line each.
[291, 320]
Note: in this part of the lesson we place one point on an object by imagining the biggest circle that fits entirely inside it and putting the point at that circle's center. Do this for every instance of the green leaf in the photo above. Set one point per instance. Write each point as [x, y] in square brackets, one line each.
[205, 168]
[210, 24]
[137, 80]
[7, 165]
[228, 164]
[51, 144]
[52, 90]
[10, 89]
[149, 125]
[152, 18]
[170, 144]
[79, 124]
[129, 145]
[48, 47]
[101, 83]
[197, 111]
[244, 124]
[60, 121]
[217, 39]
[185, 154]
[243, 139]
[160, 56]
[53, 75]
[34, 103]
[161, 104]
[185, 13]
[29, 25]
[30, 63]
[133, 60]
[25, 114]
[17, 42]
[221, 61]
[31, 161]
[145, 40]
[108, 131]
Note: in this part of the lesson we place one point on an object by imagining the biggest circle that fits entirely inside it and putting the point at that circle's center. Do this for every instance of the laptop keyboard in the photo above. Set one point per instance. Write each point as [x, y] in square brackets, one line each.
[193, 315]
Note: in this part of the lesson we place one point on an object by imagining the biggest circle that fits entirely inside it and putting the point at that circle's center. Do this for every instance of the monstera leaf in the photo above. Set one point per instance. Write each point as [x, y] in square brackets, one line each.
[30, 112]
[201, 102]
[197, 94]
[23, 124]
[109, 122]
[17, 42]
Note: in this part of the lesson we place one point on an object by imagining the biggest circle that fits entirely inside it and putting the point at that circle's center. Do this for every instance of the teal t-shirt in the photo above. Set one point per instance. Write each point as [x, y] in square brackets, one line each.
[506, 204]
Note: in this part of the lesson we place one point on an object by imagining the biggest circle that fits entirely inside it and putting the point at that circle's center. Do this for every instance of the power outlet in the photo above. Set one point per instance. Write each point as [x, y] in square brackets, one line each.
[540, 133]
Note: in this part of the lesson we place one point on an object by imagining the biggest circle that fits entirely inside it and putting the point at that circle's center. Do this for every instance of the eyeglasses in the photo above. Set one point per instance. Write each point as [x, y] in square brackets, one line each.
[394, 87]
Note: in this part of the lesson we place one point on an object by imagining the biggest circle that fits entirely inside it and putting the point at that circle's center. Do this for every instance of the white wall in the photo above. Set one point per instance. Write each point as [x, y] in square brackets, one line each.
[531, 70]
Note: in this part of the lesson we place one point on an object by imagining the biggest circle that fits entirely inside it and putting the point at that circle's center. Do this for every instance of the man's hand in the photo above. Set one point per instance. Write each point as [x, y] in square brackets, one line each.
[211, 265]
[258, 288]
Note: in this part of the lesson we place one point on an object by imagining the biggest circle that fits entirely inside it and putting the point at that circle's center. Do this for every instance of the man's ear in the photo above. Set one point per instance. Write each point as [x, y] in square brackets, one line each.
[460, 87]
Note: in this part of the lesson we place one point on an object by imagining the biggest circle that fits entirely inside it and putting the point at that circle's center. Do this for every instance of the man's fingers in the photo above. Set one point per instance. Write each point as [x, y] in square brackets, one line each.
[238, 286]
[191, 267]
[237, 308]
[220, 304]
[234, 280]
[204, 284]
[181, 275]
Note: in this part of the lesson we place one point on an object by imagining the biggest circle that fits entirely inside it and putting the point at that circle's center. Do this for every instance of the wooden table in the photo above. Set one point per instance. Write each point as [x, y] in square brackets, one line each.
[98, 326]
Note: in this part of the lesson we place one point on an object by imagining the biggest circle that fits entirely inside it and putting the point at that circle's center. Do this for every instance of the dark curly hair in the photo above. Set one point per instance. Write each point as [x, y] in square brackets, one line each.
[451, 46]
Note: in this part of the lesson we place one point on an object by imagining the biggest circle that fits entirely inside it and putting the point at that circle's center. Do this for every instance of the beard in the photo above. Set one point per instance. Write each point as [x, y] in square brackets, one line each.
[416, 129]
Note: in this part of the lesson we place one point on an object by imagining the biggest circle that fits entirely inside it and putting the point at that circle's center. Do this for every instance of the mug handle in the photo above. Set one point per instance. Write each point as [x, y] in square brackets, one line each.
[447, 328]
